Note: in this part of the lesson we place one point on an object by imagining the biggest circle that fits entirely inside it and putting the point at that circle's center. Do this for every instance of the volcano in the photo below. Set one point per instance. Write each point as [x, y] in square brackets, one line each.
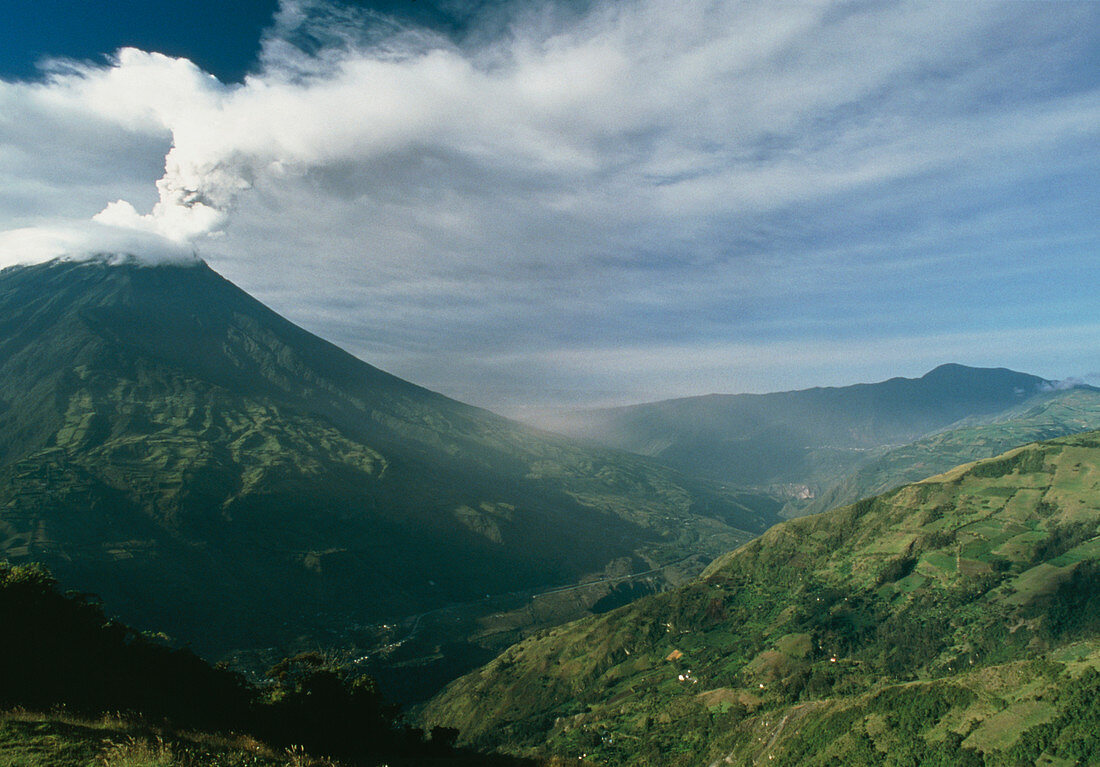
[218, 473]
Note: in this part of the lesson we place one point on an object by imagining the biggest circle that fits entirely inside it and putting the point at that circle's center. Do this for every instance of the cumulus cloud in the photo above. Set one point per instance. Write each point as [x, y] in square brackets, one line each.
[554, 181]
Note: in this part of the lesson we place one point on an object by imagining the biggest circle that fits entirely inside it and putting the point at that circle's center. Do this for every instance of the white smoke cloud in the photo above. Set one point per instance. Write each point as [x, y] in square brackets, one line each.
[542, 106]
[80, 240]
[143, 94]
[634, 112]
[736, 169]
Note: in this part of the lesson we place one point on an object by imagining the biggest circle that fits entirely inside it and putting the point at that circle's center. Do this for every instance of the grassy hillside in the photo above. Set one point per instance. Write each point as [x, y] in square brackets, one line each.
[806, 437]
[218, 473]
[951, 621]
[1044, 416]
[58, 739]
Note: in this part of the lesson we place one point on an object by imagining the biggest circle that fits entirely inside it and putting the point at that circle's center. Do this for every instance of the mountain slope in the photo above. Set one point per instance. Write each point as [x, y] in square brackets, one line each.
[952, 621]
[214, 471]
[1043, 416]
[801, 437]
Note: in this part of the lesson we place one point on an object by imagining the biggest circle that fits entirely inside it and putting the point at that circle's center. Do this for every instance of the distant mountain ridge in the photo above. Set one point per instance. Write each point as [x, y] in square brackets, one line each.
[808, 436]
[217, 472]
[1047, 415]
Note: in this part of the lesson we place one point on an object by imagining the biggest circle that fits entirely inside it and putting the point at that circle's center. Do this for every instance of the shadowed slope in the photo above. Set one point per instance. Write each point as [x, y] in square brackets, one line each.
[215, 471]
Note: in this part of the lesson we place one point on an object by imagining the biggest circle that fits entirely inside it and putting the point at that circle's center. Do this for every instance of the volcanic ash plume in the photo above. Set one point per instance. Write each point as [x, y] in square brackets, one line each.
[194, 201]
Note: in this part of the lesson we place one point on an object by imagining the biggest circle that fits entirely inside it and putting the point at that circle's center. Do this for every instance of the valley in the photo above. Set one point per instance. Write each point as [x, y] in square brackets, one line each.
[910, 626]
[174, 446]
[569, 383]
[225, 480]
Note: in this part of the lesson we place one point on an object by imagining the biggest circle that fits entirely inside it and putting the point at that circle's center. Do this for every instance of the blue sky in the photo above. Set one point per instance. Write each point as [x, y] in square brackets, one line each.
[222, 38]
[534, 205]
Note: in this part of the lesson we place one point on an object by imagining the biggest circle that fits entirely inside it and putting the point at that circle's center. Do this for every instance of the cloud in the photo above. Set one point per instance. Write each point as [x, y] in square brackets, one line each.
[552, 180]
[647, 372]
[676, 113]
[89, 240]
[1073, 382]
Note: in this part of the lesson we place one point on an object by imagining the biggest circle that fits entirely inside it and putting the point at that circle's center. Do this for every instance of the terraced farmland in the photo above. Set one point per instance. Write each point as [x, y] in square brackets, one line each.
[951, 621]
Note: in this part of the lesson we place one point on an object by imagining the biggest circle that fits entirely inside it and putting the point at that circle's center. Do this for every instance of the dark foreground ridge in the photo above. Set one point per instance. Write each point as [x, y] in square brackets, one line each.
[61, 653]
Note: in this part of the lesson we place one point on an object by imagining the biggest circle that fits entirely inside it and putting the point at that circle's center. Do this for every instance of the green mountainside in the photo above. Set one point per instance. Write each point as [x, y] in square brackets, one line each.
[954, 621]
[218, 473]
[805, 438]
[1045, 416]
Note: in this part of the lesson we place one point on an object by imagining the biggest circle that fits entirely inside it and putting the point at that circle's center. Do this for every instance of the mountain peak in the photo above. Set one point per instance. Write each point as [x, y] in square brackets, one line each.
[802, 437]
[130, 259]
[198, 450]
[948, 369]
[956, 371]
[111, 258]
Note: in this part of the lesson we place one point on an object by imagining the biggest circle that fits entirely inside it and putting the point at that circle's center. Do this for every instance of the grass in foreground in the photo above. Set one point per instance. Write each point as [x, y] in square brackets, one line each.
[60, 739]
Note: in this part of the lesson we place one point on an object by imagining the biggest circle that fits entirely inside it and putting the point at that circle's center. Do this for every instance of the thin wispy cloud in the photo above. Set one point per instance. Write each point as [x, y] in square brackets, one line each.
[555, 182]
